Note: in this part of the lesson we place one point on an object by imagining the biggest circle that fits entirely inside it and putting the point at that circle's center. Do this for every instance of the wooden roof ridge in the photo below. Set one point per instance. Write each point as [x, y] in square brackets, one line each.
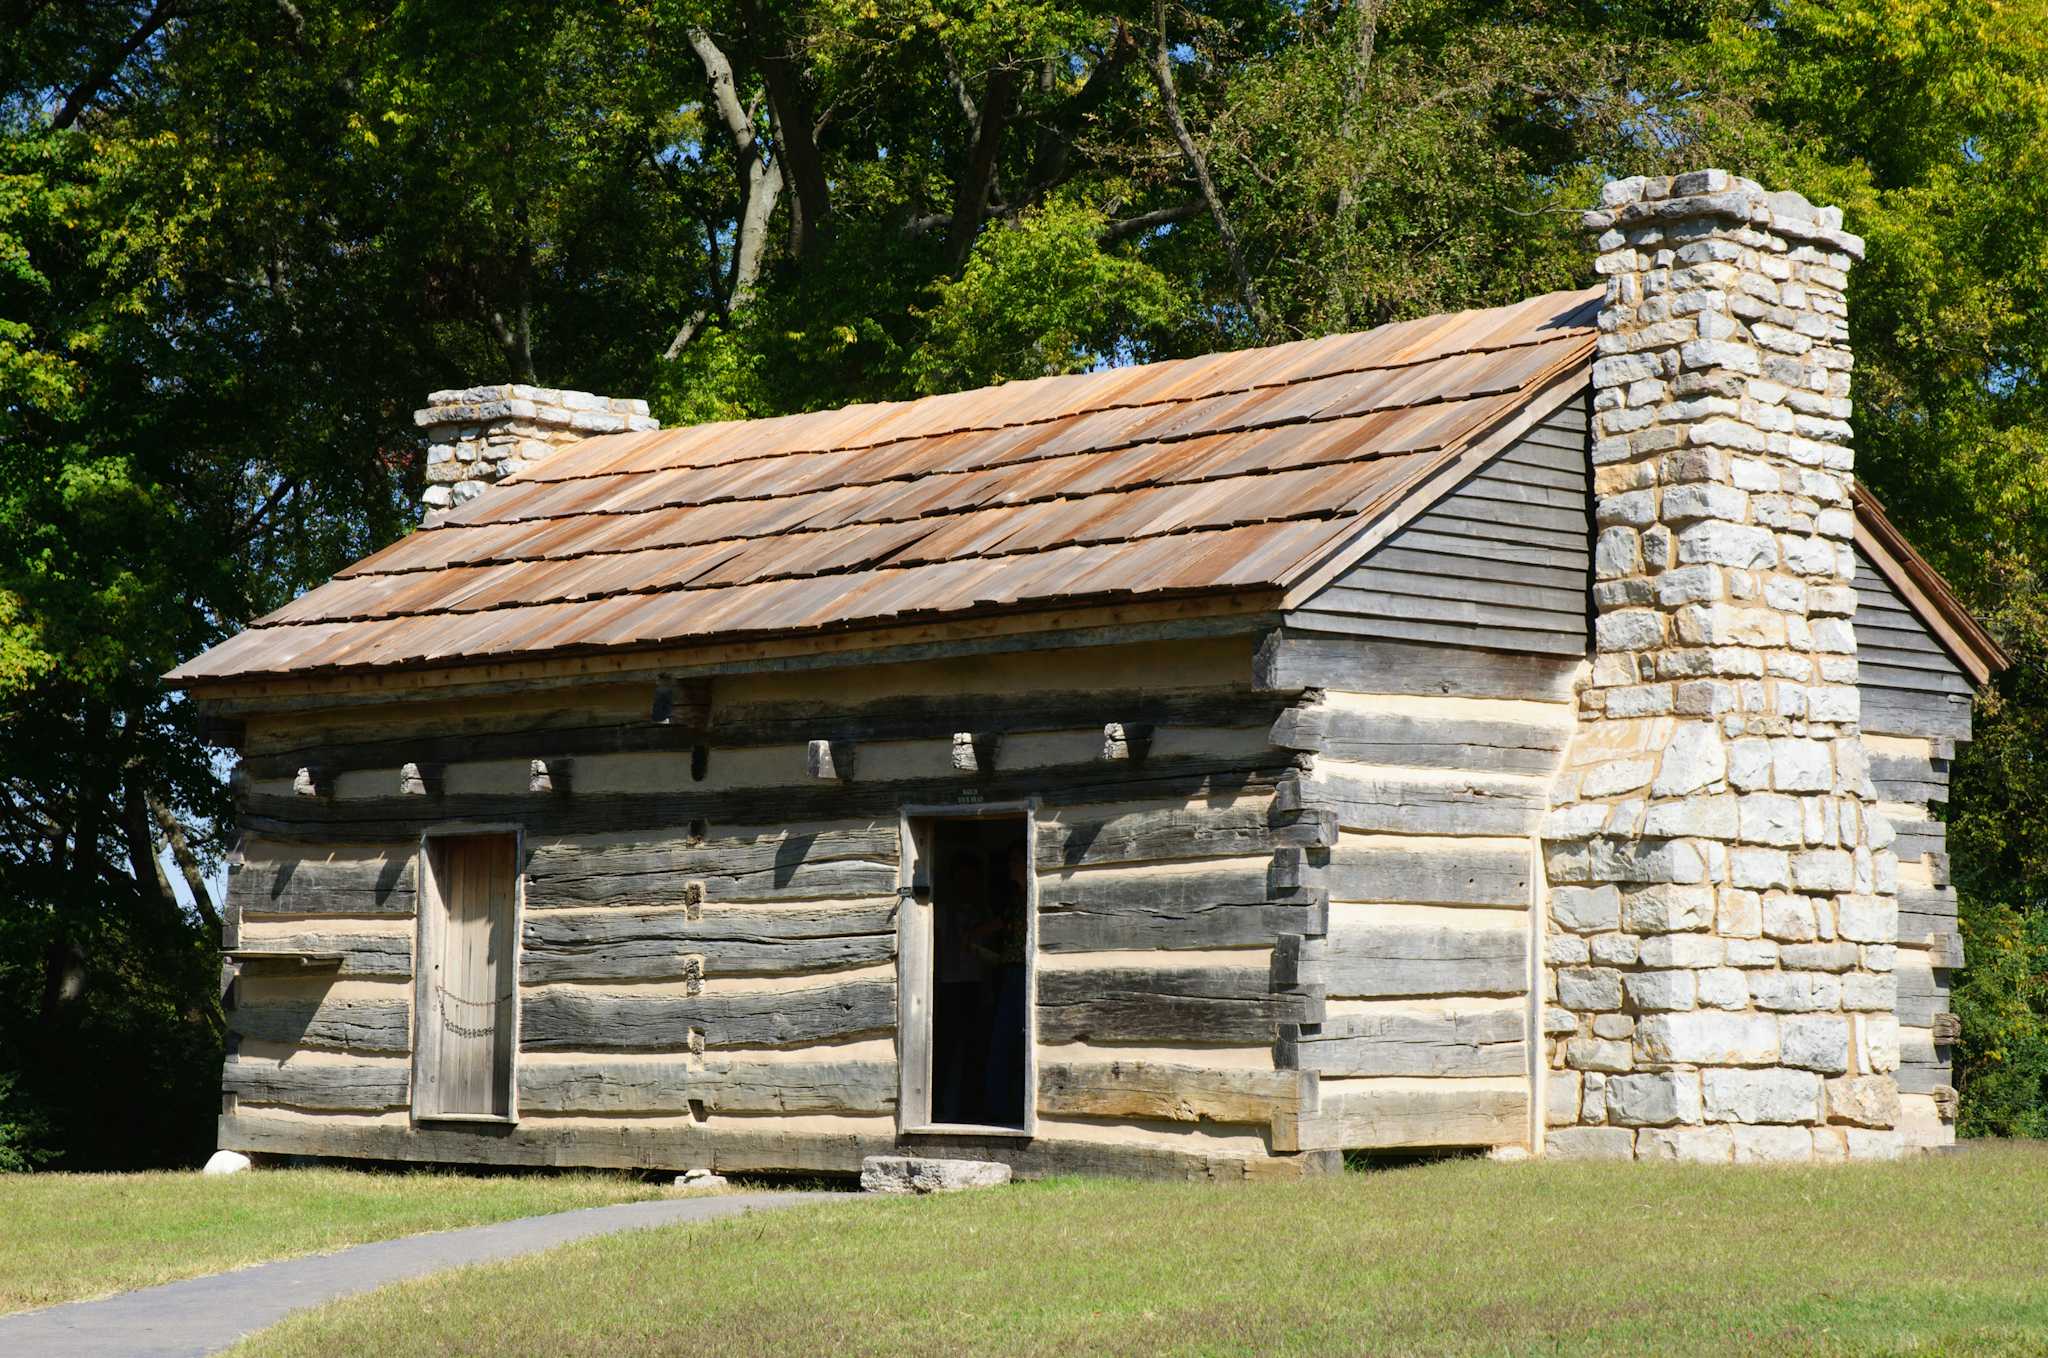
[1137, 481]
[1488, 342]
[1932, 599]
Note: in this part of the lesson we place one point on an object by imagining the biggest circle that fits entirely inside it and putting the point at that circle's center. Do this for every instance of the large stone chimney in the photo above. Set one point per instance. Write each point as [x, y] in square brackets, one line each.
[479, 435]
[1722, 902]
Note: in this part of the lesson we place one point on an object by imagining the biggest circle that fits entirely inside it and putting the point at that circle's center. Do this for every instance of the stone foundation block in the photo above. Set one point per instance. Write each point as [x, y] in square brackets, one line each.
[1761, 1096]
[919, 1174]
[1591, 1143]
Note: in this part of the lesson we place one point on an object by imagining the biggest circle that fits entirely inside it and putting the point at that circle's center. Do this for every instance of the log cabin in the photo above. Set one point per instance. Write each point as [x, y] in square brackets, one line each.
[1505, 730]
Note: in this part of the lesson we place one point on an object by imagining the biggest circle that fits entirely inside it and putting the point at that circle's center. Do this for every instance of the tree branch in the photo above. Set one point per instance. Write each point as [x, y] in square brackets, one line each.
[795, 130]
[1147, 221]
[187, 861]
[96, 81]
[1169, 98]
[760, 188]
[970, 194]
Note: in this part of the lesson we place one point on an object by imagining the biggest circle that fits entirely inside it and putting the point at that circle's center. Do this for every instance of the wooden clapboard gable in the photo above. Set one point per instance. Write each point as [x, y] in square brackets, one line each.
[1911, 685]
[1501, 562]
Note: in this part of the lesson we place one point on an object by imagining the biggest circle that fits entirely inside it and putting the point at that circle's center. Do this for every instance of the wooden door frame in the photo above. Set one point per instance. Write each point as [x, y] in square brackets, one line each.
[914, 969]
[431, 909]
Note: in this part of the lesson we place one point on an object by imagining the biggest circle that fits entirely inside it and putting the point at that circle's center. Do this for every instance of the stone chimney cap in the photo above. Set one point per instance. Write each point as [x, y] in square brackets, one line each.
[576, 410]
[1665, 200]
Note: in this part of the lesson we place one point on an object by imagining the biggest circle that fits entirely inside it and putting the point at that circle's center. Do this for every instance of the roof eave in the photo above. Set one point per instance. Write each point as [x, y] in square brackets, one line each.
[1960, 635]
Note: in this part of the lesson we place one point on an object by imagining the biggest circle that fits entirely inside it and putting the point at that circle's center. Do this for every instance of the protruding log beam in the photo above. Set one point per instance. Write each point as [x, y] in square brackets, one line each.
[1126, 741]
[975, 751]
[1948, 1030]
[420, 780]
[830, 759]
[1946, 1102]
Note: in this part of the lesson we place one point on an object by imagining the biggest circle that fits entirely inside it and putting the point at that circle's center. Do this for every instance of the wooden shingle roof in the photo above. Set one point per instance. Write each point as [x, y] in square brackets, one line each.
[1227, 472]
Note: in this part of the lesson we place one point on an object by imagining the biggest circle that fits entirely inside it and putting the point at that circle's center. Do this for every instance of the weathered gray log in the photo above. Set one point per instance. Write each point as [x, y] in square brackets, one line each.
[1289, 660]
[721, 1084]
[1391, 961]
[1421, 742]
[299, 879]
[361, 954]
[738, 726]
[1453, 1115]
[1470, 804]
[1479, 1042]
[678, 1143]
[1922, 995]
[343, 1025]
[328, 1084]
[1130, 1004]
[1108, 910]
[1170, 1092]
[821, 865]
[1467, 874]
[1154, 836]
[629, 944]
[563, 1020]
[400, 818]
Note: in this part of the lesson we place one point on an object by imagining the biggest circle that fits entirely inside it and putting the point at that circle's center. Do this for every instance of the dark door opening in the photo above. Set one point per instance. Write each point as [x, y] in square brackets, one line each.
[981, 874]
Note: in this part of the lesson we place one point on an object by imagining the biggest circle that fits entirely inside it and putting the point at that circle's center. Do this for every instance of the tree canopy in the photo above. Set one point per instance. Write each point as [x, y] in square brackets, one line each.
[241, 240]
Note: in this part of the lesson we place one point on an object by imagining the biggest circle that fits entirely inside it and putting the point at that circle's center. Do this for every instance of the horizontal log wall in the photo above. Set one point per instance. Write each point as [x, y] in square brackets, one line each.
[708, 932]
[1916, 707]
[1433, 766]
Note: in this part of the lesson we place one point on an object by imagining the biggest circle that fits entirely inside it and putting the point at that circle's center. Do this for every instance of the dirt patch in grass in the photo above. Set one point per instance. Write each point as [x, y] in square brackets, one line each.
[65, 1237]
[1940, 1255]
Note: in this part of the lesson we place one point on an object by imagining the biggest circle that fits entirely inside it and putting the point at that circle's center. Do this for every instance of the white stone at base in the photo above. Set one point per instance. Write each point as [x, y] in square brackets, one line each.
[226, 1162]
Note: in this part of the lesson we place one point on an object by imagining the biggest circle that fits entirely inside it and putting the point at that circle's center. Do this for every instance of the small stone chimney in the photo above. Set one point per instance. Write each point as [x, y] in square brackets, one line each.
[1722, 900]
[477, 436]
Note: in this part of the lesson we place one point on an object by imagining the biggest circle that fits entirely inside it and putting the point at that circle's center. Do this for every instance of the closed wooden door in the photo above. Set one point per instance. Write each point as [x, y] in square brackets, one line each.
[470, 988]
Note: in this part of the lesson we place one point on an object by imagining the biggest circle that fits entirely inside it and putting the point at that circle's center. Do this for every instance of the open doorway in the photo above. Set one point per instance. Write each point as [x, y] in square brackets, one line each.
[980, 878]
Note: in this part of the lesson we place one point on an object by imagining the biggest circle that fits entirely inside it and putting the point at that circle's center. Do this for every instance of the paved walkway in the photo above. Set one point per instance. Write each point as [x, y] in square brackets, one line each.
[205, 1315]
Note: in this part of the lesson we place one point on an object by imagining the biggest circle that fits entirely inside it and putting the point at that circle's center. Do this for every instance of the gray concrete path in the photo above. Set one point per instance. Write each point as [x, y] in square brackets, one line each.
[205, 1315]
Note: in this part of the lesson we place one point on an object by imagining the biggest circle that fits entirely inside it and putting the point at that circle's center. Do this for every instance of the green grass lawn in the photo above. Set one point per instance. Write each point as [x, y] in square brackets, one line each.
[68, 1236]
[1941, 1255]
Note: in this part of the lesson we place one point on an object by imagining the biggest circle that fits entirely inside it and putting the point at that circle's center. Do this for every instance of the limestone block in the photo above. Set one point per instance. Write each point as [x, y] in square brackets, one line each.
[1592, 1053]
[1823, 870]
[1585, 990]
[920, 1174]
[1591, 1143]
[1686, 1145]
[1772, 1145]
[1795, 991]
[1819, 956]
[1751, 952]
[1668, 908]
[1877, 1042]
[1708, 1037]
[1699, 815]
[1613, 949]
[1586, 908]
[1655, 1100]
[1867, 919]
[1770, 818]
[1614, 1026]
[1759, 1096]
[1661, 990]
[226, 1162]
[1862, 992]
[1722, 988]
[1817, 1042]
[1789, 918]
[1738, 913]
[1681, 950]
[1799, 765]
[1749, 764]
[1864, 1100]
[1561, 1098]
